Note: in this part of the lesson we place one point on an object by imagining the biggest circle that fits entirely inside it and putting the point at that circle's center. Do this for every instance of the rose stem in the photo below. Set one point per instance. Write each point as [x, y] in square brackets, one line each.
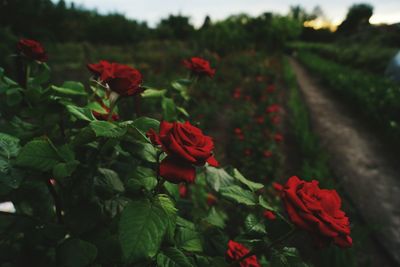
[57, 201]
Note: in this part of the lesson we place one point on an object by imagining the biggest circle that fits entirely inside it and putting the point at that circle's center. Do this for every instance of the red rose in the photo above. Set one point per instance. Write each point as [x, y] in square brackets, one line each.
[269, 215]
[32, 50]
[273, 108]
[199, 66]
[237, 94]
[236, 251]
[185, 145]
[278, 137]
[260, 120]
[120, 78]
[103, 116]
[317, 211]
[267, 153]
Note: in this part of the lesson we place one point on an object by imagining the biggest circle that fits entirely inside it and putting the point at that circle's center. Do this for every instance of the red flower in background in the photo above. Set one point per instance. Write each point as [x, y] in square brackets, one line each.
[236, 251]
[185, 145]
[32, 50]
[122, 79]
[237, 93]
[271, 88]
[273, 108]
[278, 137]
[239, 134]
[267, 153]
[317, 211]
[199, 66]
[260, 120]
[269, 215]
[247, 152]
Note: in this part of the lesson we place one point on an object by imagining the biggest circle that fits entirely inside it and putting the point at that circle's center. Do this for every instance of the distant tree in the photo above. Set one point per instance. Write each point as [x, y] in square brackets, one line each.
[299, 14]
[176, 27]
[357, 17]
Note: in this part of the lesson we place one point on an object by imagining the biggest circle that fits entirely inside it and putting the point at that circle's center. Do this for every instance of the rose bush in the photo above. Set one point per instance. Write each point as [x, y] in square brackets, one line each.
[95, 187]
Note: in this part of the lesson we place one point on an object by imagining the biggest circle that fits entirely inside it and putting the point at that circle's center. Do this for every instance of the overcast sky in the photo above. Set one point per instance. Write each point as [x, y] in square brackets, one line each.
[152, 10]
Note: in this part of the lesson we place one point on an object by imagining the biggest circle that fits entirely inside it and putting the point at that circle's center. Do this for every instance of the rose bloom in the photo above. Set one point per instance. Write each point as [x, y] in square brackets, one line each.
[267, 154]
[199, 66]
[273, 108]
[278, 137]
[237, 93]
[32, 50]
[236, 251]
[317, 211]
[185, 145]
[269, 215]
[122, 79]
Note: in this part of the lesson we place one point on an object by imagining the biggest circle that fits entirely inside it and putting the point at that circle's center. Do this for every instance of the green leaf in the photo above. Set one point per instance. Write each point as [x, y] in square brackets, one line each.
[216, 217]
[80, 113]
[238, 194]
[153, 93]
[13, 96]
[263, 203]
[70, 88]
[250, 184]
[43, 75]
[187, 238]
[182, 87]
[183, 111]
[107, 129]
[144, 124]
[218, 178]
[38, 154]
[108, 181]
[254, 225]
[75, 253]
[62, 170]
[147, 152]
[141, 229]
[169, 110]
[172, 257]
[9, 146]
[169, 208]
[143, 178]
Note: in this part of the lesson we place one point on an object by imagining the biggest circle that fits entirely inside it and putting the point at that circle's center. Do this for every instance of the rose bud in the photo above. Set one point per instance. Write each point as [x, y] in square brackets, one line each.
[183, 190]
[278, 137]
[32, 50]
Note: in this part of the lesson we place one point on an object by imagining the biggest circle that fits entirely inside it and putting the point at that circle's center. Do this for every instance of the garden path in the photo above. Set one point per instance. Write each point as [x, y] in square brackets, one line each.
[358, 158]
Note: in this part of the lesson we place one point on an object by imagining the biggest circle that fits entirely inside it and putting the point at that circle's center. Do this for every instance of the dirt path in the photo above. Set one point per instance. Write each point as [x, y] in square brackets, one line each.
[371, 180]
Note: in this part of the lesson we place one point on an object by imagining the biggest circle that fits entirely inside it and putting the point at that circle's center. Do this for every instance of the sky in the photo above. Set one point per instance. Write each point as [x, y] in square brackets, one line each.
[385, 11]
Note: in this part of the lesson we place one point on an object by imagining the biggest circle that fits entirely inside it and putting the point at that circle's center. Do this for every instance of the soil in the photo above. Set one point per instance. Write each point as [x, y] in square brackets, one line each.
[358, 157]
